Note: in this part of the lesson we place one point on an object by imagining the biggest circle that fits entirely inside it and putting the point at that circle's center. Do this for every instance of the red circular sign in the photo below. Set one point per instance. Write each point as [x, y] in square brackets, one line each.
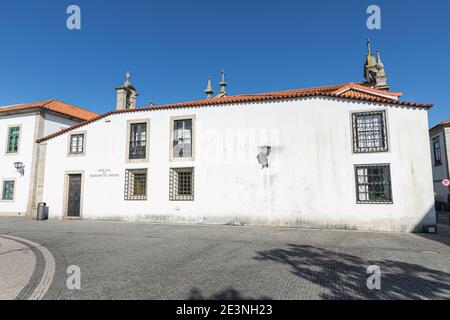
[446, 183]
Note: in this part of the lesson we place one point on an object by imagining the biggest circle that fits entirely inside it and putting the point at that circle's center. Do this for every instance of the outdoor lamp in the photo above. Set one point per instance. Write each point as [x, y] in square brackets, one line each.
[263, 156]
[19, 167]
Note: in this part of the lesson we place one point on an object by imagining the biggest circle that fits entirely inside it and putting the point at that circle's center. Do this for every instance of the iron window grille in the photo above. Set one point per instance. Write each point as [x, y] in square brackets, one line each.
[8, 190]
[181, 186]
[138, 141]
[136, 184]
[13, 140]
[437, 152]
[373, 183]
[182, 138]
[369, 132]
[77, 144]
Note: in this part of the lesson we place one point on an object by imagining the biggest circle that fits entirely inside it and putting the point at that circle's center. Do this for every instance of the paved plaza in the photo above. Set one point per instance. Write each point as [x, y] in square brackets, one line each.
[154, 261]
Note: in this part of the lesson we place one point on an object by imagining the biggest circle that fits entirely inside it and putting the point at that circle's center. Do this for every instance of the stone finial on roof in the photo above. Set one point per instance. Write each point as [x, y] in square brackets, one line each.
[381, 78]
[370, 59]
[127, 80]
[223, 86]
[380, 64]
[209, 90]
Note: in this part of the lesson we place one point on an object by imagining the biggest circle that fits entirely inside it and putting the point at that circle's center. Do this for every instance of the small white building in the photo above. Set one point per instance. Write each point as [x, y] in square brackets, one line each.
[349, 156]
[20, 126]
[440, 151]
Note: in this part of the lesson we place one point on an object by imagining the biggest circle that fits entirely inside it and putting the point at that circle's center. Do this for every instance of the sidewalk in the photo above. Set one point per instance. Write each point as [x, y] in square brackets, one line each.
[17, 263]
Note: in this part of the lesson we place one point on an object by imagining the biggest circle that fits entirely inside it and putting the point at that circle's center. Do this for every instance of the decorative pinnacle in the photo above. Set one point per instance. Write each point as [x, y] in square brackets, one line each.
[209, 90]
[127, 80]
[223, 84]
[379, 62]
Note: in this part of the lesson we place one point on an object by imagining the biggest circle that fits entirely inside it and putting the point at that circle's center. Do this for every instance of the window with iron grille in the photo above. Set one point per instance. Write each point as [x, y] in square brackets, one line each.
[136, 184]
[182, 138]
[437, 151]
[369, 132]
[138, 141]
[13, 140]
[8, 190]
[181, 184]
[77, 144]
[373, 183]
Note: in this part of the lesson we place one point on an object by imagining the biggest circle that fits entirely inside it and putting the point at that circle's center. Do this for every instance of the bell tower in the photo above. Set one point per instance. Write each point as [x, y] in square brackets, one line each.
[126, 95]
[374, 72]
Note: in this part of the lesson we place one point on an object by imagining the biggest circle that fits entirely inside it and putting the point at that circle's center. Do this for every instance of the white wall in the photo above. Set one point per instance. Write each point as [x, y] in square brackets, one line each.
[7, 170]
[54, 122]
[310, 181]
[29, 123]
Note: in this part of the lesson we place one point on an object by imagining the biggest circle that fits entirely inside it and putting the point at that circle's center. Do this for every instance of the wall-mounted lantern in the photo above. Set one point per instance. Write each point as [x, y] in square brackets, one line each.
[263, 156]
[19, 167]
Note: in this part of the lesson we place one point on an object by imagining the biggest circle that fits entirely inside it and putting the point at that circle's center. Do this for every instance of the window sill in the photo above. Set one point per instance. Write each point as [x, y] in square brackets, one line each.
[137, 160]
[374, 202]
[76, 154]
[372, 151]
[181, 159]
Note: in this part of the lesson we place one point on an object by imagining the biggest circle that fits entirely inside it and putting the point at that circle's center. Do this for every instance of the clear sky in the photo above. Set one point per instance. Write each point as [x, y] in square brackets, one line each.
[170, 48]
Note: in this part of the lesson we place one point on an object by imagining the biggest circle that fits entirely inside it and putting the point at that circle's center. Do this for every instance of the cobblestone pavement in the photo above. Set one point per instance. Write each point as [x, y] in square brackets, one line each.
[156, 261]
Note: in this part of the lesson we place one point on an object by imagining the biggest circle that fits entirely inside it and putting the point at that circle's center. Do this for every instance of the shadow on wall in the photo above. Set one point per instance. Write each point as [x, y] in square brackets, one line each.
[429, 219]
[228, 294]
[443, 228]
[432, 219]
[345, 275]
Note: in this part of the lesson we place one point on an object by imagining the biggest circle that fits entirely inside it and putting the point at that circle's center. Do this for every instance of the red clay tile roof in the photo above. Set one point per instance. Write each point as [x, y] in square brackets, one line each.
[55, 106]
[351, 91]
[363, 90]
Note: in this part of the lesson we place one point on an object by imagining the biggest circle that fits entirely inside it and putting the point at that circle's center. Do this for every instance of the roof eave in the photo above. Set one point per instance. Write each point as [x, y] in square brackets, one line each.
[230, 100]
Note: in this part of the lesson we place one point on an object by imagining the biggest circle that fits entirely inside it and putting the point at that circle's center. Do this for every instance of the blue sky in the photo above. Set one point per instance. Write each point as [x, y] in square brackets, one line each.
[170, 48]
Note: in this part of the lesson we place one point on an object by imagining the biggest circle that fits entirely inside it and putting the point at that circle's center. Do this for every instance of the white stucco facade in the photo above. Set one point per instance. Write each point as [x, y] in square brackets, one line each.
[33, 125]
[27, 123]
[310, 180]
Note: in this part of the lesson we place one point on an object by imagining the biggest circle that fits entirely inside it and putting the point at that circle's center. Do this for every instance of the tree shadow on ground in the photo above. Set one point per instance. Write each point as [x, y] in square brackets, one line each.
[345, 275]
[228, 294]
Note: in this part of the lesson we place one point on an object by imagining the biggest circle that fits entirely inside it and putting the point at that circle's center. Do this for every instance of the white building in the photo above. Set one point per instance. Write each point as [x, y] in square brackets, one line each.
[350, 156]
[20, 127]
[440, 151]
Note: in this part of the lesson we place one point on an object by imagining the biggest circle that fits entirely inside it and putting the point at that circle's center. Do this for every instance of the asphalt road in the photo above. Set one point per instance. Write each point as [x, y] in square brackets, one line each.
[155, 261]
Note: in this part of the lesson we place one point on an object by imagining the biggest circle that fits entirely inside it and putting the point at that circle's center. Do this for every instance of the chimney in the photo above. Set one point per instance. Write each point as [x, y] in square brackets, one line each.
[126, 95]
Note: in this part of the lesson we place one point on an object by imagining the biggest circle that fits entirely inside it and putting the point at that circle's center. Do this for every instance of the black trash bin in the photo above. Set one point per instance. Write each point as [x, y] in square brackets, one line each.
[42, 211]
